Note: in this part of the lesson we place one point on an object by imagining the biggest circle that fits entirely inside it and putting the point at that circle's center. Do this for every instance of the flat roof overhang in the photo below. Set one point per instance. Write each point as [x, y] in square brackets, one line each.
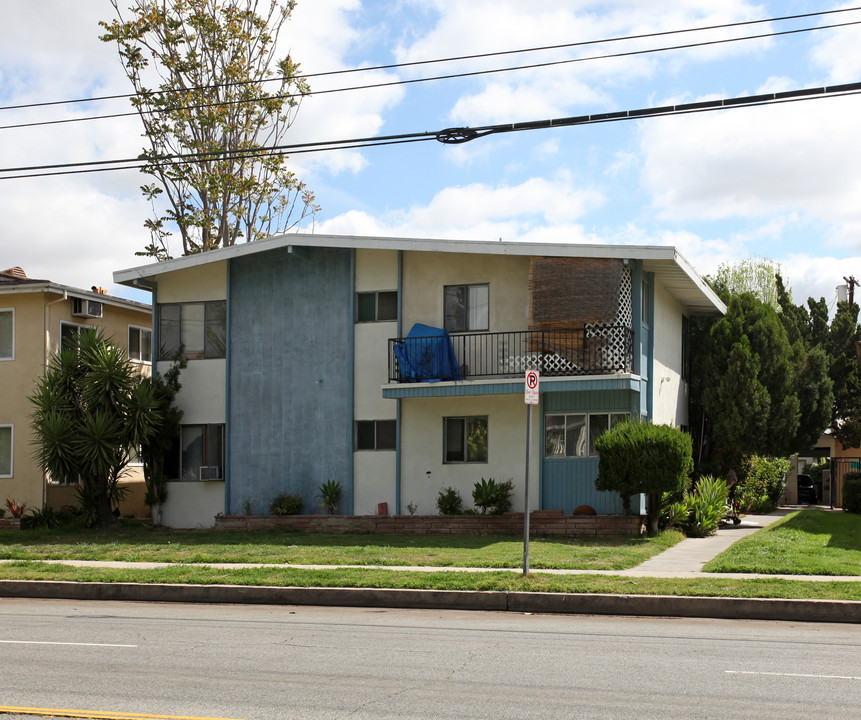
[511, 386]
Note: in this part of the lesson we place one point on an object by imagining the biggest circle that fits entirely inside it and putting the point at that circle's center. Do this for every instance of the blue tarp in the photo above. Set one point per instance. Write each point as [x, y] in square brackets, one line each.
[426, 355]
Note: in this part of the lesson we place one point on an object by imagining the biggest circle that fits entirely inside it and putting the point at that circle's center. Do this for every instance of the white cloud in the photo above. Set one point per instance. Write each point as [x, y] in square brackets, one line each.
[327, 36]
[839, 50]
[800, 157]
[536, 207]
[487, 26]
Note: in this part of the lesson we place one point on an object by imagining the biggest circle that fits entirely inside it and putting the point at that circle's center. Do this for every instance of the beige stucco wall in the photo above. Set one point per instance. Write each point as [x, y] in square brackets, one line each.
[194, 284]
[202, 398]
[37, 325]
[192, 504]
[374, 471]
[376, 270]
[422, 449]
[670, 396]
[374, 481]
[16, 383]
[425, 274]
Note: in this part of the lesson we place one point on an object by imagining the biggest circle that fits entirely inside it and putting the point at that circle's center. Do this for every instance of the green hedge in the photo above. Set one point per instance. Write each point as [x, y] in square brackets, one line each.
[852, 492]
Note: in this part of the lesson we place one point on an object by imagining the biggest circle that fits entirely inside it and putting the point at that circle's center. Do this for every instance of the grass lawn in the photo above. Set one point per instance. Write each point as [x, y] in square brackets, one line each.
[138, 543]
[809, 542]
[442, 580]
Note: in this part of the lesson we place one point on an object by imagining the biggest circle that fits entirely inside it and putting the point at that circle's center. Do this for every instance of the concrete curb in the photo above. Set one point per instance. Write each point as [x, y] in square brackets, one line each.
[842, 611]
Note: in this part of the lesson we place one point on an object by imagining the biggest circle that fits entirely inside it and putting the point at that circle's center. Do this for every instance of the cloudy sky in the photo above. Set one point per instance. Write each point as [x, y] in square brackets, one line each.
[780, 181]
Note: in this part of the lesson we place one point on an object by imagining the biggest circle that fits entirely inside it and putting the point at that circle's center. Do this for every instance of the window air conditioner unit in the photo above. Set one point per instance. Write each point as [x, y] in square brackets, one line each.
[210, 472]
[86, 308]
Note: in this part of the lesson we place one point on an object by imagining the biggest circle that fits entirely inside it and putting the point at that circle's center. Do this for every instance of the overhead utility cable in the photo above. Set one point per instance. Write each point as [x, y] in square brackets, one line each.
[392, 66]
[448, 136]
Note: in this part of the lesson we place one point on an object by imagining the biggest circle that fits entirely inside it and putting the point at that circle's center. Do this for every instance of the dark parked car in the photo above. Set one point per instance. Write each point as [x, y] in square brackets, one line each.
[806, 490]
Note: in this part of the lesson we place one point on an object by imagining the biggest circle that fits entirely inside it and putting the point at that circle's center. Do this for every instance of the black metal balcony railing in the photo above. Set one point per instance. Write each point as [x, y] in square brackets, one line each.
[590, 350]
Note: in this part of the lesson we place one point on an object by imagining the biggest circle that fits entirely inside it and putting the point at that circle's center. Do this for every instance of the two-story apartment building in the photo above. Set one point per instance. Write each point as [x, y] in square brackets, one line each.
[36, 317]
[396, 366]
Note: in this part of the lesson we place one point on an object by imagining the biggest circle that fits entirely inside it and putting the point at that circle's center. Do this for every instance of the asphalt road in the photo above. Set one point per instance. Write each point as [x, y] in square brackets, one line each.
[262, 662]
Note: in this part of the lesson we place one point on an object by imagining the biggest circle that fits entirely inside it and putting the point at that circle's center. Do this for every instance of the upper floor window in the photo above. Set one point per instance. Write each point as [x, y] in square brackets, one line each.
[646, 303]
[140, 344]
[686, 348]
[376, 306]
[7, 436]
[574, 434]
[466, 308]
[193, 330]
[7, 334]
[69, 334]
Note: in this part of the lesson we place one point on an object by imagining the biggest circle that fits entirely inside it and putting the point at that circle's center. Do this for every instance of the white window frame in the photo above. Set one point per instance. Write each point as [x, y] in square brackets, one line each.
[376, 294]
[11, 427]
[589, 441]
[140, 329]
[192, 473]
[465, 419]
[77, 326]
[376, 426]
[10, 311]
[470, 324]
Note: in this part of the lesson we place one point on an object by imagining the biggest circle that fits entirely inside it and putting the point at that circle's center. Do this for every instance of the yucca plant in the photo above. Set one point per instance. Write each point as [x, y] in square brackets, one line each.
[330, 494]
[91, 409]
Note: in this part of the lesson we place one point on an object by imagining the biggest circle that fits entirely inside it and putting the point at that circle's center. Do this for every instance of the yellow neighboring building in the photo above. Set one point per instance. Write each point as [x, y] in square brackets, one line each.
[36, 316]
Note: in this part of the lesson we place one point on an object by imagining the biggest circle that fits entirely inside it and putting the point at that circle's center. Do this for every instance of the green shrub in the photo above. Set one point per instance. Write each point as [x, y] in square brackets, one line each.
[449, 501]
[45, 517]
[852, 492]
[700, 512]
[639, 457]
[330, 494]
[761, 483]
[286, 504]
[491, 496]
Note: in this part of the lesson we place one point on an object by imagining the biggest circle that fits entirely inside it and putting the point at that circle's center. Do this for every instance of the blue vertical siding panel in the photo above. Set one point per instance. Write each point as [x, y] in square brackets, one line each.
[569, 482]
[291, 328]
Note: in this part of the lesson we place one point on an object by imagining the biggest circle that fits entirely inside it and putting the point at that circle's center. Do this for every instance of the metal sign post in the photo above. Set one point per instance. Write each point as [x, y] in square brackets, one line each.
[530, 387]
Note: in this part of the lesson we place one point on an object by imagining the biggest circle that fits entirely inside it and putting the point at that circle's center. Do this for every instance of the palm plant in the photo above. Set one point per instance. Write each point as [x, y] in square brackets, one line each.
[91, 409]
[330, 494]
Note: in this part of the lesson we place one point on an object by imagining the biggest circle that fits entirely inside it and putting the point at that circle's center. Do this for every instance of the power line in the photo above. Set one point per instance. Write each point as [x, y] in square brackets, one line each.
[631, 53]
[446, 136]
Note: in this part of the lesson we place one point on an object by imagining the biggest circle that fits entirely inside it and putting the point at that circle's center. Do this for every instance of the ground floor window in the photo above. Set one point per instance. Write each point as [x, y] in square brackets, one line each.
[574, 434]
[200, 454]
[375, 434]
[7, 436]
[465, 439]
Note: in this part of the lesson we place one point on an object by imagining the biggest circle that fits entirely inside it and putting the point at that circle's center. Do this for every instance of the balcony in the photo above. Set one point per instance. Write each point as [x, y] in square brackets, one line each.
[590, 350]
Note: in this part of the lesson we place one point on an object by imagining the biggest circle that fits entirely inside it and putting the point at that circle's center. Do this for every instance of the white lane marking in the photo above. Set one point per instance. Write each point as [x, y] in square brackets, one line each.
[49, 642]
[797, 675]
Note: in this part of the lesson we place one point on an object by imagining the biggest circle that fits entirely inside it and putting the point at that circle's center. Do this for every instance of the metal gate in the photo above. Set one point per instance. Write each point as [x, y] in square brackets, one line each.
[832, 488]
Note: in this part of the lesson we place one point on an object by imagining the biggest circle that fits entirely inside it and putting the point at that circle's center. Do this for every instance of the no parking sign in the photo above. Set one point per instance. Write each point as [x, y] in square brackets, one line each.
[531, 387]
